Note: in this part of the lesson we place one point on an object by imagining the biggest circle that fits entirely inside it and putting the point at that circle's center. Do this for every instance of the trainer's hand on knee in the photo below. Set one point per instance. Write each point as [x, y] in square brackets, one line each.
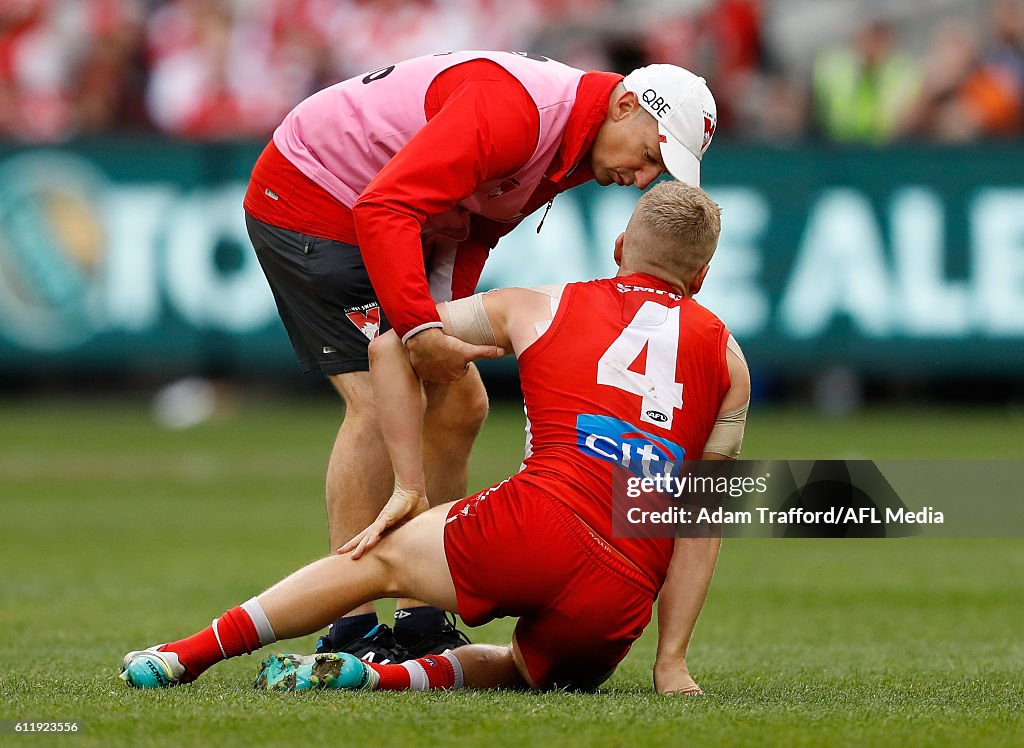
[673, 677]
[437, 357]
[403, 505]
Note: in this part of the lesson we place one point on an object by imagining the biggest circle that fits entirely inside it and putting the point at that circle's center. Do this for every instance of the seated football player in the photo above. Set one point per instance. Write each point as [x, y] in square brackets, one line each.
[611, 370]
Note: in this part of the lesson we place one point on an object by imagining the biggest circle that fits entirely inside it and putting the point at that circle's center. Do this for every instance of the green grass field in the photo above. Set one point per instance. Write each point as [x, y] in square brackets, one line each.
[115, 533]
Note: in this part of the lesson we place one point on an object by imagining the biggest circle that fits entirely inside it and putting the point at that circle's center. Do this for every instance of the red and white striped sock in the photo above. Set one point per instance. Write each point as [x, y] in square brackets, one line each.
[433, 672]
[238, 631]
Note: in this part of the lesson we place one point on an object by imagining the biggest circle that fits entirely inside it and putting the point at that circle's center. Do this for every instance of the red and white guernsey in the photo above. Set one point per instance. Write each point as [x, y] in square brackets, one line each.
[629, 374]
[343, 135]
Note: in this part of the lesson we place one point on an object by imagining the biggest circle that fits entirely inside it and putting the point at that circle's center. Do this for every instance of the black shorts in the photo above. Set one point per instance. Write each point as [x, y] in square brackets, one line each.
[323, 295]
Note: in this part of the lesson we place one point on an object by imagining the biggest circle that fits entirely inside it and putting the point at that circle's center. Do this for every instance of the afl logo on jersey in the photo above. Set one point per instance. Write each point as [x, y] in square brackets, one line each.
[657, 415]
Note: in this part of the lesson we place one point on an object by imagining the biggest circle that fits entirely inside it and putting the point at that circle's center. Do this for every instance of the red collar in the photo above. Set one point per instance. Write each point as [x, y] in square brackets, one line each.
[585, 119]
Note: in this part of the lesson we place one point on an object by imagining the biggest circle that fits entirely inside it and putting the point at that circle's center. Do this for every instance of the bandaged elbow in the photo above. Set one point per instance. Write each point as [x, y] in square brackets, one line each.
[727, 434]
[467, 320]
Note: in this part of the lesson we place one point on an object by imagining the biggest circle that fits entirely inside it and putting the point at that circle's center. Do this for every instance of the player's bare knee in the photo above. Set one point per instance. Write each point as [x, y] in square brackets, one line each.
[399, 572]
[387, 556]
[385, 559]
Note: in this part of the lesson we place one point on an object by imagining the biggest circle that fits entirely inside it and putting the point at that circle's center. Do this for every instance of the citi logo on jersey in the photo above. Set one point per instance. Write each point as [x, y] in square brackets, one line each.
[643, 454]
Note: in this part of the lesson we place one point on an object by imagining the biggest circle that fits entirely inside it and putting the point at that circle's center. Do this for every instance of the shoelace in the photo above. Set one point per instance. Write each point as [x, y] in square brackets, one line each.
[384, 639]
[449, 618]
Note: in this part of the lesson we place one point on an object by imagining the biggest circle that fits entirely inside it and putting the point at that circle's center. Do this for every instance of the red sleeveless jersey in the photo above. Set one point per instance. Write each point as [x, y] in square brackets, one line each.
[629, 374]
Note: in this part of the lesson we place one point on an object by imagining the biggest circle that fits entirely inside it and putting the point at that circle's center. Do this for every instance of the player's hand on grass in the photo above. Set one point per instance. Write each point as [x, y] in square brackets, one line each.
[437, 357]
[403, 505]
[673, 677]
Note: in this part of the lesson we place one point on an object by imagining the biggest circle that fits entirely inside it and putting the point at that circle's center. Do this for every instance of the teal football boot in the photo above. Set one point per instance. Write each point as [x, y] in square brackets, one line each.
[151, 668]
[334, 670]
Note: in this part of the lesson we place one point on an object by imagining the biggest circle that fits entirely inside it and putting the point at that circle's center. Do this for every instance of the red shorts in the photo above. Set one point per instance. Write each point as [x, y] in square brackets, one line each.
[515, 551]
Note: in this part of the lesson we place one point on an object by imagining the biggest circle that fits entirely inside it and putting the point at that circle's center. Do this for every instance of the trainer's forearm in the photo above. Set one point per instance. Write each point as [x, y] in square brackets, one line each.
[392, 250]
[399, 393]
[683, 594]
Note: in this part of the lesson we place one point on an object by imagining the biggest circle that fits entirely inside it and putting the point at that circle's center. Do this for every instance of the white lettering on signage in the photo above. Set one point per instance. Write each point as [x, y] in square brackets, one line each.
[840, 270]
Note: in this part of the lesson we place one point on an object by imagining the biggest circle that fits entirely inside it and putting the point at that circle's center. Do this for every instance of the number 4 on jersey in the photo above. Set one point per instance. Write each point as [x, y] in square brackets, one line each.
[655, 328]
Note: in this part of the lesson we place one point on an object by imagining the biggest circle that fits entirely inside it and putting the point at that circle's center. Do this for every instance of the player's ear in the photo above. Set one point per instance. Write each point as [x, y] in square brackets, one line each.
[698, 280]
[618, 248]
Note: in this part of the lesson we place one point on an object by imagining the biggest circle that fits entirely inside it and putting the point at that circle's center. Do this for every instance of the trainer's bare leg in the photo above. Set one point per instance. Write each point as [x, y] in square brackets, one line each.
[359, 476]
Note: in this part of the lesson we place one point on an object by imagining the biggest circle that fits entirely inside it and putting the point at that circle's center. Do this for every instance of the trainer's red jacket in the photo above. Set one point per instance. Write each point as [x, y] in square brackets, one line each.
[490, 127]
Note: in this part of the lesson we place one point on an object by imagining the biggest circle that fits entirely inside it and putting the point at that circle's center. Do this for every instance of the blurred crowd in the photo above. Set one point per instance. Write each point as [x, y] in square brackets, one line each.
[226, 69]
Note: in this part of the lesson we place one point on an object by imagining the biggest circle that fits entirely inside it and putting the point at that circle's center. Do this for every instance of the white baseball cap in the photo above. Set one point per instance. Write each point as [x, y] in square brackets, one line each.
[686, 114]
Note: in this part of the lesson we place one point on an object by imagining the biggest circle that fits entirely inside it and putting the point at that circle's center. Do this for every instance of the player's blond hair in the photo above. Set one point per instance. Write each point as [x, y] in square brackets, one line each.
[674, 229]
